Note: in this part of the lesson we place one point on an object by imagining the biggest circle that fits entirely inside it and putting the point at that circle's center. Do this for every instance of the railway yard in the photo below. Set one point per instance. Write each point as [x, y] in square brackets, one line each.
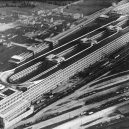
[61, 70]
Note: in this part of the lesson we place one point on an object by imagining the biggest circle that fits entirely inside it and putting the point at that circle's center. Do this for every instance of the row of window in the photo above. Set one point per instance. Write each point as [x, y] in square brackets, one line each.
[25, 72]
[11, 100]
[17, 112]
[11, 107]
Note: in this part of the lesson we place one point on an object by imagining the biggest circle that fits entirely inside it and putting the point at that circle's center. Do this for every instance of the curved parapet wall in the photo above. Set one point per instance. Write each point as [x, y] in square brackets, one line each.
[4, 75]
[57, 51]
[60, 48]
[64, 53]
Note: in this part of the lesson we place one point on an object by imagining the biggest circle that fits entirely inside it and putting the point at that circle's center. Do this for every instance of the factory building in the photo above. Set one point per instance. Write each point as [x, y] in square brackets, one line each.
[16, 105]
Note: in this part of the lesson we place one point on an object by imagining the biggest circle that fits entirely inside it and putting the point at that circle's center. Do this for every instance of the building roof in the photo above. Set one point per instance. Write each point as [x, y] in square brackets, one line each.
[17, 57]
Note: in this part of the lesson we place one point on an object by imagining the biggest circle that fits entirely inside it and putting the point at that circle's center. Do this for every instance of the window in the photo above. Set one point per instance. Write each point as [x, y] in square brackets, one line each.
[1, 98]
[8, 92]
